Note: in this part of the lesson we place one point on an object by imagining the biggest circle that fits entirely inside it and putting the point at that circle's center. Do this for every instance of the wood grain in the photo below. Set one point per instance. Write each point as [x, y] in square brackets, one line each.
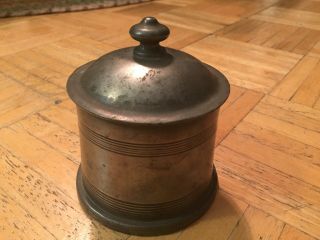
[290, 233]
[311, 5]
[17, 101]
[245, 65]
[202, 22]
[41, 157]
[60, 216]
[277, 193]
[32, 32]
[309, 91]
[58, 138]
[218, 11]
[248, 136]
[61, 116]
[295, 39]
[267, 151]
[315, 51]
[146, 9]
[243, 104]
[292, 82]
[180, 3]
[219, 221]
[271, 130]
[17, 223]
[293, 17]
[253, 226]
[14, 72]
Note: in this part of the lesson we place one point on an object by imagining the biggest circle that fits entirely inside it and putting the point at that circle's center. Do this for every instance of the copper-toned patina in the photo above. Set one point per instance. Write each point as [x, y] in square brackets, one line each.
[147, 119]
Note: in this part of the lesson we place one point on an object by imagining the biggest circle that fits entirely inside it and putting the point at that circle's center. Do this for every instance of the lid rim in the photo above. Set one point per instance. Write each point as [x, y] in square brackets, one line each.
[149, 119]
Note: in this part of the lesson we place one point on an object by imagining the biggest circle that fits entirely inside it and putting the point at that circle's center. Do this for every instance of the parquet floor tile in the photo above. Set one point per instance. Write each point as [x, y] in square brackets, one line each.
[292, 17]
[179, 3]
[301, 85]
[290, 38]
[315, 51]
[242, 101]
[215, 11]
[17, 101]
[290, 233]
[275, 152]
[244, 64]
[29, 32]
[146, 9]
[219, 220]
[310, 5]
[48, 209]
[253, 226]
[200, 21]
[97, 25]
[279, 194]
[209, 16]
[23, 225]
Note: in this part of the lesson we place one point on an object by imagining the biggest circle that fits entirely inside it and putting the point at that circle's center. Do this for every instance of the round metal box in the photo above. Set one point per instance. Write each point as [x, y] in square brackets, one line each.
[147, 118]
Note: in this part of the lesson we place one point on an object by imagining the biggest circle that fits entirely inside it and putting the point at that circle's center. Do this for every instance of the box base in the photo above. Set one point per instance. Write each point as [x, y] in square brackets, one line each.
[144, 227]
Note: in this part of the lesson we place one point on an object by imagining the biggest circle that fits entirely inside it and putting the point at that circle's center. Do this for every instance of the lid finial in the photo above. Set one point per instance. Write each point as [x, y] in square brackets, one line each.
[149, 32]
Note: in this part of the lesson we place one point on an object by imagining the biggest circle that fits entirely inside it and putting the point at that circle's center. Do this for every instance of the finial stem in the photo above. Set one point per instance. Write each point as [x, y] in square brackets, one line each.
[149, 32]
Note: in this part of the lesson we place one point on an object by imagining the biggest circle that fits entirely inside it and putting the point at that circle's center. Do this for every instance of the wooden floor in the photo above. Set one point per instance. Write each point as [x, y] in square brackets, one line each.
[268, 141]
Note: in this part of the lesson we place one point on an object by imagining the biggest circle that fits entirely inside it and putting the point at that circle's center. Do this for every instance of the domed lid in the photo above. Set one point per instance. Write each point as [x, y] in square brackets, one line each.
[148, 84]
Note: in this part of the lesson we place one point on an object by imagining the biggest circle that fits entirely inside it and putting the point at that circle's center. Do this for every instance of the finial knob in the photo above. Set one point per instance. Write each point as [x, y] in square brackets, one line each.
[149, 32]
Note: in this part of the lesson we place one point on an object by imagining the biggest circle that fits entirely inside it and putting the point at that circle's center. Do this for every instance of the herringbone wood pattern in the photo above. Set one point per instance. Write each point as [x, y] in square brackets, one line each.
[268, 142]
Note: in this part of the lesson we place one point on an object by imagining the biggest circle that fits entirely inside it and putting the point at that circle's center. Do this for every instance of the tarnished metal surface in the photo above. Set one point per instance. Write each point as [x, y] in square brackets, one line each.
[148, 89]
[147, 118]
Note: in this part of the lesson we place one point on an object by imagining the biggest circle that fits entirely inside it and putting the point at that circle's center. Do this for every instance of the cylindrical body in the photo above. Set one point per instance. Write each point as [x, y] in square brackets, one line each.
[147, 118]
[147, 171]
